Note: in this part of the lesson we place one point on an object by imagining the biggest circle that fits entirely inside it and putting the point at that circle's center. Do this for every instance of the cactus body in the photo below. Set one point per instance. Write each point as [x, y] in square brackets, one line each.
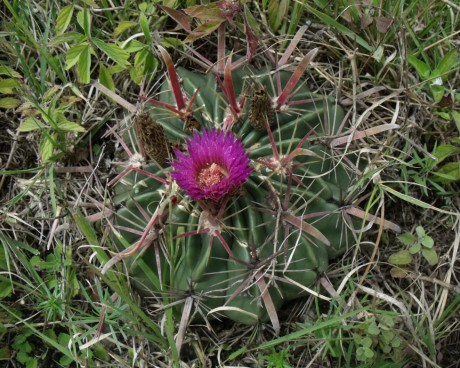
[263, 246]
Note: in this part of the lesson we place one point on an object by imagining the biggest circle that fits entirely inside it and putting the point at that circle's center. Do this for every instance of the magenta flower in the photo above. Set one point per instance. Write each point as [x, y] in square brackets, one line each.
[217, 164]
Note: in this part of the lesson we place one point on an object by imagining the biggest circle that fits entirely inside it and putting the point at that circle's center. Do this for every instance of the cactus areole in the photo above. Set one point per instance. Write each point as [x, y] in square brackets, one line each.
[278, 190]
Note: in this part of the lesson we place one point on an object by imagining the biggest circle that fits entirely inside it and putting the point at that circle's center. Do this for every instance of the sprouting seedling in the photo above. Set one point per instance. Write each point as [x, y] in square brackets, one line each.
[420, 243]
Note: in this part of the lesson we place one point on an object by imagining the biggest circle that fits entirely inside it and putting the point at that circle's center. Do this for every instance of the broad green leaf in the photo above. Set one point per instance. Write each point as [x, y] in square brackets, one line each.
[64, 17]
[420, 231]
[51, 92]
[113, 51]
[65, 361]
[373, 329]
[84, 20]
[137, 74]
[123, 26]
[443, 114]
[415, 248]
[63, 339]
[422, 69]
[396, 342]
[134, 46]
[407, 238]
[151, 66]
[448, 173]
[368, 353]
[379, 53]
[32, 363]
[116, 69]
[428, 242]
[141, 57]
[68, 126]
[30, 124]
[388, 321]
[72, 37]
[47, 147]
[84, 65]
[9, 103]
[447, 64]
[144, 23]
[5, 289]
[4, 70]
[8, 85]
[73, 54]
[105, 78]
[438, 92]
[401, 258]
[101, 353]
[444, 151]
[23, 357]
[456, 117]
[430, 255]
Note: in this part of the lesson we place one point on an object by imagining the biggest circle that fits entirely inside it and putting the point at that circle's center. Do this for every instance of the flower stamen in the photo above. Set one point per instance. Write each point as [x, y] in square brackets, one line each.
[211, 175]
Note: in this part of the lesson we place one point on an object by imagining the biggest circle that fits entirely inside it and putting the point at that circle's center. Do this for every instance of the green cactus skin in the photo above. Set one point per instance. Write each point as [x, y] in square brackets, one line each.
[189, 265]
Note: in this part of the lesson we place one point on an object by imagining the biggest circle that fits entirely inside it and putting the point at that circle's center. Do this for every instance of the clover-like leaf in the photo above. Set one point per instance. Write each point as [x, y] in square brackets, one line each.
[430, 255]
[407, 238]
[427, 242]
[403, 257]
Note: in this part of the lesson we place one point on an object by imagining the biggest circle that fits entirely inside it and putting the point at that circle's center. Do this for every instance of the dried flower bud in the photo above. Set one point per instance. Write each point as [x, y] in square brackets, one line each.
[261, 109]
[152, 139]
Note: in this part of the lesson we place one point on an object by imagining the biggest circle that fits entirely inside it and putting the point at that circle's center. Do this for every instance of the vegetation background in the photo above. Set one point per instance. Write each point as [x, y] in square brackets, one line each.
[71, 72]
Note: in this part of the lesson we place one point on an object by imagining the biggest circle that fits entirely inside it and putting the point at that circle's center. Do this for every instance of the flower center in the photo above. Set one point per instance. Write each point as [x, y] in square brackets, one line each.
[211, 175]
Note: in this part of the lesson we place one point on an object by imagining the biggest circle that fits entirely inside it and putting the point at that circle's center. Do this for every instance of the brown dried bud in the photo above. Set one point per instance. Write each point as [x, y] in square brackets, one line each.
[152, 139]
[191, 124]
[261, 109]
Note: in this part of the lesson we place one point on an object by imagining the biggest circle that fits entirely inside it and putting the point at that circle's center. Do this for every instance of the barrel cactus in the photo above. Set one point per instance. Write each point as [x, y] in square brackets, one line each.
[240, 209]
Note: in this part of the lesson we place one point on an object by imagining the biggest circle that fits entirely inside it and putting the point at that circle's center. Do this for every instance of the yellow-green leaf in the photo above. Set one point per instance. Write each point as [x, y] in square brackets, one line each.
[30, 124]
[8, 85]
[47, 147]
[73, 37]
[5, 289]
[4, 70]
[430, 255]
[105, 78]
[73, 54]
[448, 63]
[51, 92]
[68, 126]
[64, 17]
[9, 103]
[113, 51]
[123, 26]
[84, 65]
[448, 173]
[401, 258]
[145, 27]
[84, 20]
[423, 70]
[444, 151]
[137, 74]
